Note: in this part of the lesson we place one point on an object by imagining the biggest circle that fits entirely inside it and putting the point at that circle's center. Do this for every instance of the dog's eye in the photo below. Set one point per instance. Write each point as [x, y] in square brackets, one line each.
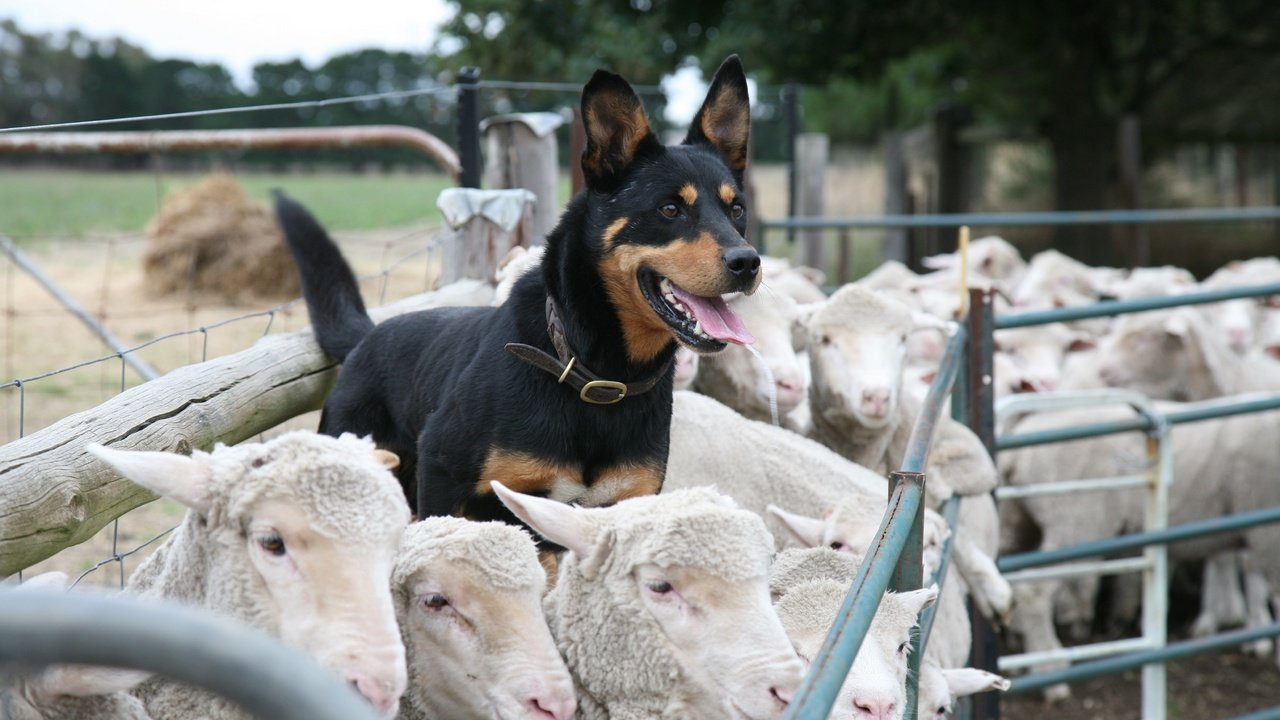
[669, 210]
[737, 210]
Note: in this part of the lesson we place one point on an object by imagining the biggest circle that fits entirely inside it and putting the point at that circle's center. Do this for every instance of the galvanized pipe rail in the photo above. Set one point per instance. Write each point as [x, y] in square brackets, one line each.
[1197, 412]
[257, 672]
[1108, 308]
[896, 553]
[1104, 217]
[1134, 541]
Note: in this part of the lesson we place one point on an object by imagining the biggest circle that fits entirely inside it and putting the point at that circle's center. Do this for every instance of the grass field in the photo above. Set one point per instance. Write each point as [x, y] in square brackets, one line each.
[62, 204]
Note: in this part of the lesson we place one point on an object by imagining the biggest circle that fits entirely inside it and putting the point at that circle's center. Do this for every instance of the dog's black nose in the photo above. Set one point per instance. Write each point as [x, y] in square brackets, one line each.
[743, 263]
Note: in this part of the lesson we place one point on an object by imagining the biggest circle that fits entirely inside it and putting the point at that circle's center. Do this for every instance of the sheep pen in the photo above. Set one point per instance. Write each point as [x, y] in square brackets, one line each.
[312, 383]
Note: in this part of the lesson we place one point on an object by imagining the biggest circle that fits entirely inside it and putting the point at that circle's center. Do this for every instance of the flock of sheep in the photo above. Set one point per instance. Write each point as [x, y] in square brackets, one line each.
[708, 600]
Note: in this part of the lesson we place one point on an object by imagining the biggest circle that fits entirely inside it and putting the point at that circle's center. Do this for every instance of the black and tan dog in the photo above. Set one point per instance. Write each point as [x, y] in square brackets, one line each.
[564, 391]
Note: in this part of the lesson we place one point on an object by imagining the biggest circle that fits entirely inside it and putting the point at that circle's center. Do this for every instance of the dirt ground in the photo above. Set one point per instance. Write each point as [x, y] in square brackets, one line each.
[1213, 686]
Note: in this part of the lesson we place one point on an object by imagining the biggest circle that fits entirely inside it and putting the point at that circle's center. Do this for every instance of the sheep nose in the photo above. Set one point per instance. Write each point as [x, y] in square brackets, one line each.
[1239, 337]
[782, 695]
[743, 263]
[875, 401]
[875, 708]
[377, 693]
[1049, 384]
[551, 705]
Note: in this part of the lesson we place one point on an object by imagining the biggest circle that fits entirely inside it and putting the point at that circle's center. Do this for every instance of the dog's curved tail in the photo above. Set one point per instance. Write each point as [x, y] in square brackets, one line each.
[338, 315]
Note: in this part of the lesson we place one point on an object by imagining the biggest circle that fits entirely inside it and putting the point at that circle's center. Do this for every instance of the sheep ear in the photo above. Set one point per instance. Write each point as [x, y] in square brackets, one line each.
[924, 321]
[1081, 343]
[804, 312]
[916, 600]
[174, 476]
[84, 680]
[967, 681]
[808, 531]
[386, 458]
[562, 524]
[1177, 326]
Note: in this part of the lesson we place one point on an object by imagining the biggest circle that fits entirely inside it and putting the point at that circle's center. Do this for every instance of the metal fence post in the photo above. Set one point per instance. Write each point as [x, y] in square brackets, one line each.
[469, 126]
[791, 110]
[908, 574]
[980, 397]
[1155, 604]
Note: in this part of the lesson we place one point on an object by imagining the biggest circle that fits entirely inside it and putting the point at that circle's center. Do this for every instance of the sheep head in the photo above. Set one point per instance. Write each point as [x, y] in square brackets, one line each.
[811, 590]
[299, 535]
[469, 600]
[664, 599]
[857, 344]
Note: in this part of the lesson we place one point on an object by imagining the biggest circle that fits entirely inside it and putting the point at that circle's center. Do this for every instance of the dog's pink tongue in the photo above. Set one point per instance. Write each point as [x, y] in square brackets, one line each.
[716, 318]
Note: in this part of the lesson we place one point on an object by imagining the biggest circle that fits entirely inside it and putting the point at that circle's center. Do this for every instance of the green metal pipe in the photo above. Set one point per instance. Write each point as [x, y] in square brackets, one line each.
[1108, 308]
[1268, 714]
[1039, 219]
[1137, 541]
[1128, 661]
[1192, 413]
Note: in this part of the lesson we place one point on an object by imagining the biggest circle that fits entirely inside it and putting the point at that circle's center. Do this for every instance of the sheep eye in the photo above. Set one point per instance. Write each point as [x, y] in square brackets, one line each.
[903, 647]
[669, 210]
[837, 545]
[659, 587]
[435, 601]
[825, 339]
[271, 544]
[737, 210]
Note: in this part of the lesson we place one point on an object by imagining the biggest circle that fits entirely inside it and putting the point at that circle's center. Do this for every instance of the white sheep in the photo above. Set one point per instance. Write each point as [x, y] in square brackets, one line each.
[295, 536]
[1149, 282]
[69, 692]
[849, 528]
[687, 363]
[1238, 322]
[856, 348]
[758, 464]
[661, 609]
[749, 384]
[1053, 279]
[1176, 355]
[469, 602]
[518, 261]
[992, 259]
[1036, 355]
[809, 587]
[1217, 464]
[801, 283]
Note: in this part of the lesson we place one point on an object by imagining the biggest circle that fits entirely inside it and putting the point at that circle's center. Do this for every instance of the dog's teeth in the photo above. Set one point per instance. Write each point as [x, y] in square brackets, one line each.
[665, 284]
[697, 328]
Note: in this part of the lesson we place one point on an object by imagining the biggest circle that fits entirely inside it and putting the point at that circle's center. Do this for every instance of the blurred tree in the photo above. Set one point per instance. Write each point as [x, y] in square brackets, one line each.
[1066, 70]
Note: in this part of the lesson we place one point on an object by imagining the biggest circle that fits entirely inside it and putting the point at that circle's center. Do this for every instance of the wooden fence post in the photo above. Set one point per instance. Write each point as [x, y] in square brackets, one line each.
[521, 152]
[483, 226]
[811, 167]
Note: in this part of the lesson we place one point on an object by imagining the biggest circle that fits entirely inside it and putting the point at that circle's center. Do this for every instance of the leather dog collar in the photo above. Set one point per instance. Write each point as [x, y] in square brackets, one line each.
[591, 387]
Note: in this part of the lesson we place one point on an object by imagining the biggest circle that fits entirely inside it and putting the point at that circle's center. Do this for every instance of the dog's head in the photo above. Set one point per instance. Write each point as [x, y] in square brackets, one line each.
[669, 221]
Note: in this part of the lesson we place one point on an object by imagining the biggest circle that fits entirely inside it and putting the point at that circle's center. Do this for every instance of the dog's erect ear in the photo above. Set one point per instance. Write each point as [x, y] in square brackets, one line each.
[724, 121]
[617, 129]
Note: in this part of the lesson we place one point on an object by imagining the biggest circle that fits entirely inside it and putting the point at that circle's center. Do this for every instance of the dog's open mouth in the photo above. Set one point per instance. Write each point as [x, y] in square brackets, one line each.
[704, 324]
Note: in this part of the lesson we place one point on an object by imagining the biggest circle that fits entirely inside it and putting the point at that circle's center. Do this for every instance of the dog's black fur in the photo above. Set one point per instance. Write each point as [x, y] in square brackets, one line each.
[437, 388]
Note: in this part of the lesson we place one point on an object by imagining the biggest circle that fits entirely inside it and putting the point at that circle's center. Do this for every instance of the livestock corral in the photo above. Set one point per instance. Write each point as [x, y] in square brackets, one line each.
[716, 597]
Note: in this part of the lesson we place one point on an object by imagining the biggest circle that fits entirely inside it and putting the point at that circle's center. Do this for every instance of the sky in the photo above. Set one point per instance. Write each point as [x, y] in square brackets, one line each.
[240, 33]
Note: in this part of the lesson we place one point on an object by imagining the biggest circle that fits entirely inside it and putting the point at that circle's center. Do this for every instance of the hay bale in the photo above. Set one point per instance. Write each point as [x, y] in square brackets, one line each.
[214, 239]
